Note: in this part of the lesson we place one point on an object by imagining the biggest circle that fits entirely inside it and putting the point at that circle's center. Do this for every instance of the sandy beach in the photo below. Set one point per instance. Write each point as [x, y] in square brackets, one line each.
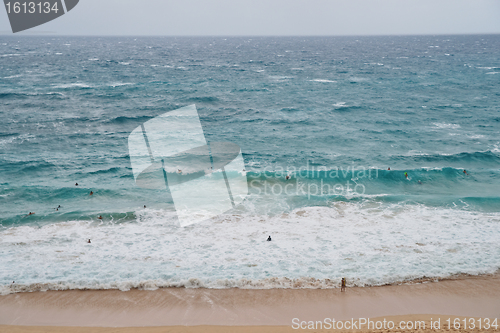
[423, 320]
[238, 310]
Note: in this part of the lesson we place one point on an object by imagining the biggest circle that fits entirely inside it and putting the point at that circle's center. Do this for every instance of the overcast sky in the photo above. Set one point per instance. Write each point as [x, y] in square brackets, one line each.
[273, 17]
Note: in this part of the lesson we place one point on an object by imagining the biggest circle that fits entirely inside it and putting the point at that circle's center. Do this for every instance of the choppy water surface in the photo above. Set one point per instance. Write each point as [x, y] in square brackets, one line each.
[333, 113]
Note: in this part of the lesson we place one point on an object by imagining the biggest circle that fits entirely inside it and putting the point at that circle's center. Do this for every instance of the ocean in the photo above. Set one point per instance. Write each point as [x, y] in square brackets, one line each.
[332, 113]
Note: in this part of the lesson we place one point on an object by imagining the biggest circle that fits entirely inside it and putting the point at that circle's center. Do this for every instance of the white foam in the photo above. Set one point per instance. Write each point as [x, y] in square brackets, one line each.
[416, 153]
[13, 76]
[21, 138]
[72, 85]
[313, 247]
[445, 125]
[323, 81]
[120, 84]
[11, 55]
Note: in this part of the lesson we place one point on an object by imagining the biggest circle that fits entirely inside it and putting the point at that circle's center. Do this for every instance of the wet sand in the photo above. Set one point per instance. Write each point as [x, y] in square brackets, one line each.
[238, 310]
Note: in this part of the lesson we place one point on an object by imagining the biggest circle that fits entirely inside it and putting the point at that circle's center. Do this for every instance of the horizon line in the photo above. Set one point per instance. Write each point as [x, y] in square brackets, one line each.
[53, 34]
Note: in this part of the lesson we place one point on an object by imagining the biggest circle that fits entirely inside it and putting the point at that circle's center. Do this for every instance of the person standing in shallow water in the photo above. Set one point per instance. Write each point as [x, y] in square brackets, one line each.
[342, 286]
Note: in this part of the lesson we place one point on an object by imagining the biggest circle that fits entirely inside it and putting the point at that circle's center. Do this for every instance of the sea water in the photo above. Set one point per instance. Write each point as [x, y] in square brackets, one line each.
[332, 113]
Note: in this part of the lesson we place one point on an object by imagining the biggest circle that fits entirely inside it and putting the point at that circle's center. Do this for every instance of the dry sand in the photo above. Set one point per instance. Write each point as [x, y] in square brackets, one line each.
[237, 310]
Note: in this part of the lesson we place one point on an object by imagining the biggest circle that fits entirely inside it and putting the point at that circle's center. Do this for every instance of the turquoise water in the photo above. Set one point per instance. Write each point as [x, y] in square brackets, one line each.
[333, 113]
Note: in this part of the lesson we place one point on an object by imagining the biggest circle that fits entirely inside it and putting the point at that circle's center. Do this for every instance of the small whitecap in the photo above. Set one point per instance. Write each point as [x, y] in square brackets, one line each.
[322, 81]
[446, 125]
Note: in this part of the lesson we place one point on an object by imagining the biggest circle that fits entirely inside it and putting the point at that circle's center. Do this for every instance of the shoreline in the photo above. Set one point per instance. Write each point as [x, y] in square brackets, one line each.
[470, 297]
[281, 283]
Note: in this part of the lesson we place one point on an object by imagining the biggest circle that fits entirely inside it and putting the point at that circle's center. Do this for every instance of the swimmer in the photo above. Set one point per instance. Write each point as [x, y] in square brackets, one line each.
[287, 177]
[406, 175]
[465, 172]
[389, 169]
[269, 238]
[91, 193]
[76, 184]
[342, 287]
[420, 182]
[89, 241]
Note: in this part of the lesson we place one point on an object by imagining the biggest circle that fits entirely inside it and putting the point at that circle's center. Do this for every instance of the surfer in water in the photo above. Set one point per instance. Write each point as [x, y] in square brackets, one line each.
[406, 175]
[89, 241]
[388, 169]
[287, 177]
[465, 173]
[269, 238]
[91, 193]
